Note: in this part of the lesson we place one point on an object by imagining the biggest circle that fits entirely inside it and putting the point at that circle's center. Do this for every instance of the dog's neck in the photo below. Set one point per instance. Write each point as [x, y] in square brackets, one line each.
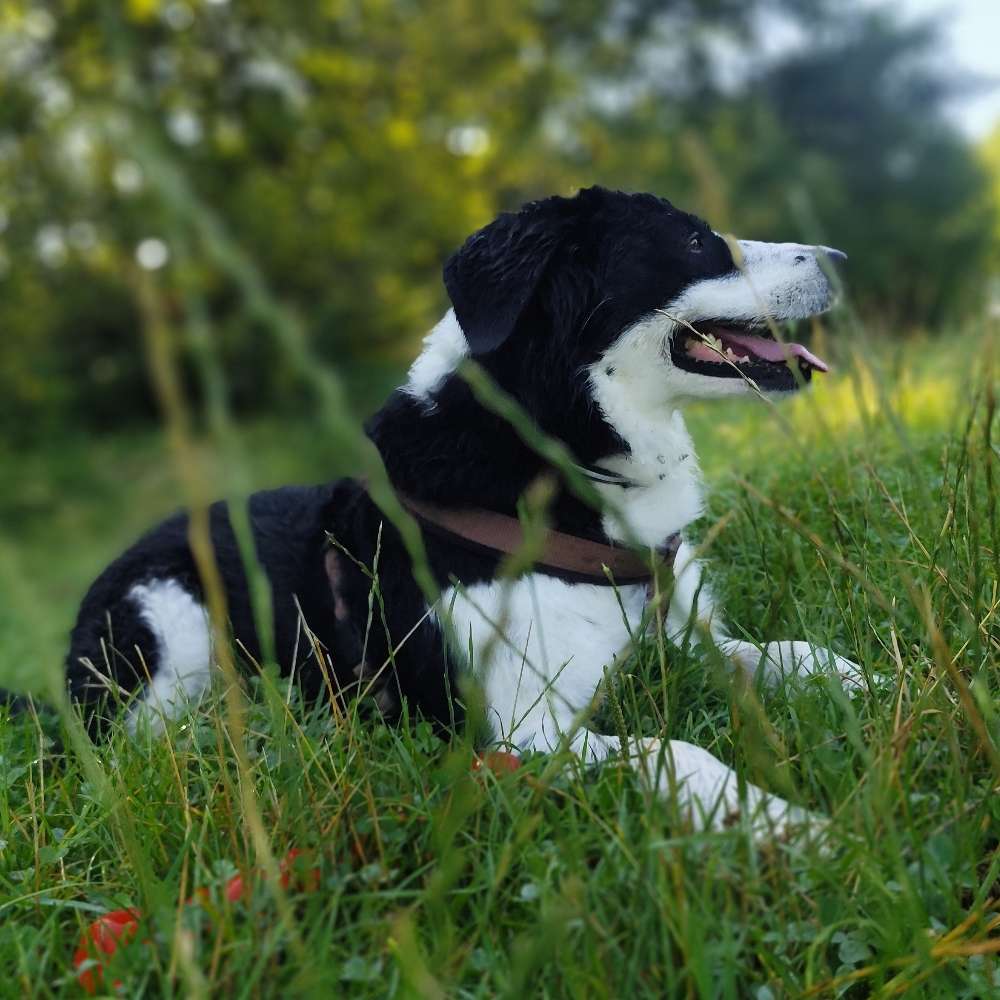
[453, 452]
[658, 456]
[440, 444]
[666, 491]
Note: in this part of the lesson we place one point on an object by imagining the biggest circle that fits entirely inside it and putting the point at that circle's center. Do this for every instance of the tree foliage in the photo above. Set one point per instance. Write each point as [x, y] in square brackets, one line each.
[348, 146]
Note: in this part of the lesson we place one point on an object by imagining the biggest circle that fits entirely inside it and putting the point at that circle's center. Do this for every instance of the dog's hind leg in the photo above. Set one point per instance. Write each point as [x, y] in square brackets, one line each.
[183, 635]
[149, 644]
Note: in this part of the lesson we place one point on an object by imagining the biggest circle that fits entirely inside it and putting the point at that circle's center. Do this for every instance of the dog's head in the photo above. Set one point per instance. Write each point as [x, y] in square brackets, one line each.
[626, 301]
[575, 277]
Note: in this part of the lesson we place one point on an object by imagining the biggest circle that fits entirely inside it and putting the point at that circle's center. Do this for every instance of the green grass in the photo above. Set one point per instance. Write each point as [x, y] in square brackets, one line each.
[876, 534]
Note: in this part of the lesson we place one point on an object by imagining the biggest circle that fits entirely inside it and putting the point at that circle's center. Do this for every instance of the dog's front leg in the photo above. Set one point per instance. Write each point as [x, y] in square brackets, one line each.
[692, 607]
[790, 659]
[706, 791]
[708, 794]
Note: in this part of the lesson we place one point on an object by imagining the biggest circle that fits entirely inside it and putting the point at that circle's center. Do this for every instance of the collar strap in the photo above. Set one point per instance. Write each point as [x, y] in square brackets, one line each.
[569, 557]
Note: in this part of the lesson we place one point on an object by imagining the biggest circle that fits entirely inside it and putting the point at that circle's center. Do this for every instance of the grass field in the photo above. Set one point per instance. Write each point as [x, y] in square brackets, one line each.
[859, 517]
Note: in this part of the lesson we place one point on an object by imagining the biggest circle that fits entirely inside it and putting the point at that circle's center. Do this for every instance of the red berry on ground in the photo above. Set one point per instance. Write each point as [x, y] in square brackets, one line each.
[103, 936]
[497, 761]
[307, 881]
[234, 889]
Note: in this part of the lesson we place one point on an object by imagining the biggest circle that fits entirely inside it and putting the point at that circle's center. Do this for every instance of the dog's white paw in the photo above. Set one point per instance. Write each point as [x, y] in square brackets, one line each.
[783, 660]
[708, 796]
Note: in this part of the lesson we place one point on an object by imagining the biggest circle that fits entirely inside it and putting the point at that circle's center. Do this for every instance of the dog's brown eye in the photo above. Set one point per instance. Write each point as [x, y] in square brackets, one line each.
[694, 244]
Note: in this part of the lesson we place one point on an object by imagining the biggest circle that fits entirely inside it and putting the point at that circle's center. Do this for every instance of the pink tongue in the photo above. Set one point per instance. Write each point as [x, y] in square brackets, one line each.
[771, 350]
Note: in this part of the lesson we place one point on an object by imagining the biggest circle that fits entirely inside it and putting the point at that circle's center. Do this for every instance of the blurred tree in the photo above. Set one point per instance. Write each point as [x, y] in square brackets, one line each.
[349, 145]
[886, 175]
[839, 137]
[990, 155]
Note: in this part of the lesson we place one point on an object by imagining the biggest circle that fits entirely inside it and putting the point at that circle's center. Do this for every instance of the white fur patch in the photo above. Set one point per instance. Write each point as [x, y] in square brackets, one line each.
[184, 641]
[691, 602]
[444, 348]
[540, 646]
[630, 384]
[638, 387]
[774, 280]
[707, 792]
[793, 660]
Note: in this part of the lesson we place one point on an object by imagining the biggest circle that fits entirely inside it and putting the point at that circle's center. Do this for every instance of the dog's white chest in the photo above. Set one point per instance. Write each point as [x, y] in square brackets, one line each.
[539, 646]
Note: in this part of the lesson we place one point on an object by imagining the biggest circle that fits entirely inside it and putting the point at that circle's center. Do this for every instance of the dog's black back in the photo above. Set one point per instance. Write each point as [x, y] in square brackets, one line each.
[333, 631]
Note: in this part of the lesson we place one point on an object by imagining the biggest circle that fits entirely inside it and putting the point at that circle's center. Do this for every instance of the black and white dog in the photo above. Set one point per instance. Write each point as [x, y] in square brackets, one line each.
[601, 315]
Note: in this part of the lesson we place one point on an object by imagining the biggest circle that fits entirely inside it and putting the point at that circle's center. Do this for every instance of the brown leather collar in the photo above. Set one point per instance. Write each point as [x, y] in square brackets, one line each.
[569, 557]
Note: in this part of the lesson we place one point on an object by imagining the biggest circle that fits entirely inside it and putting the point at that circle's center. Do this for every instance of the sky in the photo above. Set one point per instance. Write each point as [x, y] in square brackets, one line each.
[972, 28]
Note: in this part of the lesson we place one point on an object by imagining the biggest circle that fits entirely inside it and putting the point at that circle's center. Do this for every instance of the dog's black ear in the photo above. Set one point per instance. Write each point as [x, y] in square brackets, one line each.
[493, 277]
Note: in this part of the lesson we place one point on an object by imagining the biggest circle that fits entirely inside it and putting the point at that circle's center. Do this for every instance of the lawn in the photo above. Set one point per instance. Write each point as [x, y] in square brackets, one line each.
[862, 516]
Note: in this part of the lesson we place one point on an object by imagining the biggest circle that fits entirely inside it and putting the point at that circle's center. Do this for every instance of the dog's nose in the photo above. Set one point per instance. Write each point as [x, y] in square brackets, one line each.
[835, 256]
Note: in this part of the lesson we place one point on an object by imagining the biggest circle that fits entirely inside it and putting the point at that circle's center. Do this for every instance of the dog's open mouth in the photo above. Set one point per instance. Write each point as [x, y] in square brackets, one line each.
[733, 350]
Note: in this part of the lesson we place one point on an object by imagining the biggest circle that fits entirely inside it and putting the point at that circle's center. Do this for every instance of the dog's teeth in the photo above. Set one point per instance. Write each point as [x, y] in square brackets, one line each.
[715, 344]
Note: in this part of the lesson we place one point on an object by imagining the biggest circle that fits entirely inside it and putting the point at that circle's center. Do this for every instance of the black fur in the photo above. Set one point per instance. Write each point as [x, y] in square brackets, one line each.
[288, 532]
[540, 294]
[595, 264]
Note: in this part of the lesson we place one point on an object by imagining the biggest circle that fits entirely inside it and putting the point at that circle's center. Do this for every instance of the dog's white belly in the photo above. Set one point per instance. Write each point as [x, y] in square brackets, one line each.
[539, 646]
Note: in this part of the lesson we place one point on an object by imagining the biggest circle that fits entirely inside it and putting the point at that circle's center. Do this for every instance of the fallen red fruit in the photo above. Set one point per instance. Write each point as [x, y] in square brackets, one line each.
[307, 879]
[199, 896]
[103, 937]
[234, 889]
[107, 933]
[497, 761]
